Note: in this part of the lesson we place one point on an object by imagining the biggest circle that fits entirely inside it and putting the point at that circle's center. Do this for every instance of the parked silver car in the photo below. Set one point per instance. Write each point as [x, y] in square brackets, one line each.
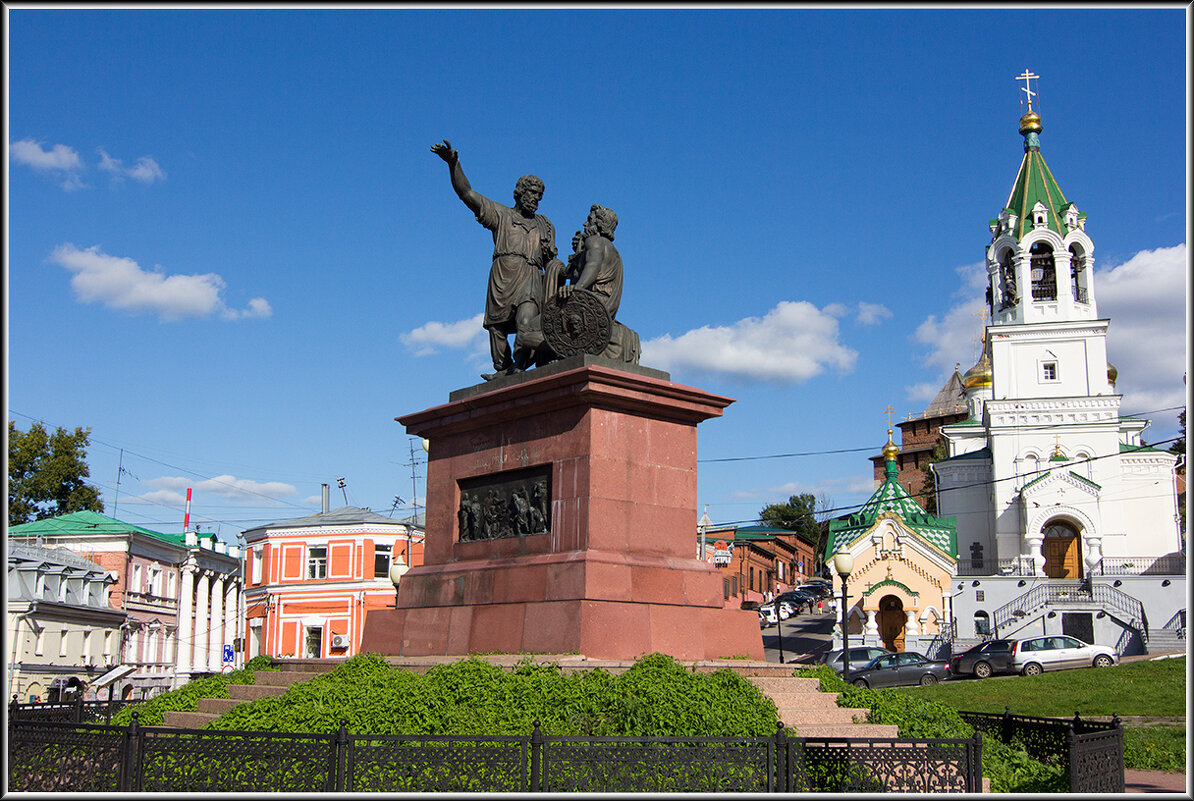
[1034, 655]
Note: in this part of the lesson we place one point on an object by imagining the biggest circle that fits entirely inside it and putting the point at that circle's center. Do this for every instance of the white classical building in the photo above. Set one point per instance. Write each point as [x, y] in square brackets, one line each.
[182, 594]
[1047, 480]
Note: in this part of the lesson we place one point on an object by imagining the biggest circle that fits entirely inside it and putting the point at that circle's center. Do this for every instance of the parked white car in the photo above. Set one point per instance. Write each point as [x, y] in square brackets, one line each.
[768, 616]
[1034, 655]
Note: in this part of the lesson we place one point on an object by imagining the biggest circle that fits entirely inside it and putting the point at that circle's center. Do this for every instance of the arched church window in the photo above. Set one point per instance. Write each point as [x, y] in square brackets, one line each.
[1044, 276]
[1078, 274]
[1007, 280]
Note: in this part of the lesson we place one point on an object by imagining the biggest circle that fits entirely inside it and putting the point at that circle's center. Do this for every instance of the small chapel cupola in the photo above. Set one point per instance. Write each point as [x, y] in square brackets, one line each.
[979, 382]
[1039, 262]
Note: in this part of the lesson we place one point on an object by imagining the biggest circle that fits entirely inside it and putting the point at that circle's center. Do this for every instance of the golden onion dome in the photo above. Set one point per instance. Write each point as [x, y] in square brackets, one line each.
[1112, 374]
[1030, 123]
[980, 374]
[890, 449]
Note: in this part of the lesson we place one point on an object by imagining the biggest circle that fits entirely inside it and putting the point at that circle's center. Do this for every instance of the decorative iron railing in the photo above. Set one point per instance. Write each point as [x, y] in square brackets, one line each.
[1015, 566]
[76, 710]
[69, 757]
[1071, 593]
[1168, 565]
[1091, 752]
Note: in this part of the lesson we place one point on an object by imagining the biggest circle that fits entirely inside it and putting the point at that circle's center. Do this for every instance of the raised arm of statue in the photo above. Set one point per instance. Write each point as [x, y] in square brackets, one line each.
[460, 184]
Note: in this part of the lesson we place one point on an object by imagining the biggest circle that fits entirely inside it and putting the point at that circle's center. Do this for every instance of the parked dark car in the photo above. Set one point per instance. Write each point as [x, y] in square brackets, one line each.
[891, 670]
[859, 657]
[797, 598]
[992, 656]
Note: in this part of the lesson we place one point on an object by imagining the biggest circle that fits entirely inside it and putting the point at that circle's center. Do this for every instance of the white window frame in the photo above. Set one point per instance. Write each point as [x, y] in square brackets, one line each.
[1046, 366]
[317, 566]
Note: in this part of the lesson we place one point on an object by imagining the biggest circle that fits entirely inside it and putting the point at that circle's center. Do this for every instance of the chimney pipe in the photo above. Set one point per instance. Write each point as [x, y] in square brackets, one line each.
[186, 520]
[325, 498]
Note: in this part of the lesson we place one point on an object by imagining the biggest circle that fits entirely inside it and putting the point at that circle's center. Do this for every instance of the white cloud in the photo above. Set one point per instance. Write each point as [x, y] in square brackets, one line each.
[239, 490]
[146, 170]
[430, 337]
[794, 342]
[872, 313]
[923, 391]
[1146, 341]
[1144, 298]
[60, 159]
[120, 283]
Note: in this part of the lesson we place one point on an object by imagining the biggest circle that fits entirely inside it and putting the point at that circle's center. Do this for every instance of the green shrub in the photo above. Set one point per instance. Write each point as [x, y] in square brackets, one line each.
[1012, 770]
[186, 698]
[655, 697]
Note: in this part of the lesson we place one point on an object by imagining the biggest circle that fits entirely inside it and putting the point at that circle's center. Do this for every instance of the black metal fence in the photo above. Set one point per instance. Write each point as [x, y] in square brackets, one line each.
[76, 710]
[48, 756]
[1091, 752]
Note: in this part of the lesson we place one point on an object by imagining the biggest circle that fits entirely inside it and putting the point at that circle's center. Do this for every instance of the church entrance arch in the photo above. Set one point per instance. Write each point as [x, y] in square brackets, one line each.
[891, 622]
[1063, 551]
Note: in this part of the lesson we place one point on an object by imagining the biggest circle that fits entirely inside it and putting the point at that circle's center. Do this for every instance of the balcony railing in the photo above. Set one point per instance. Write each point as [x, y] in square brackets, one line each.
[1168, 565]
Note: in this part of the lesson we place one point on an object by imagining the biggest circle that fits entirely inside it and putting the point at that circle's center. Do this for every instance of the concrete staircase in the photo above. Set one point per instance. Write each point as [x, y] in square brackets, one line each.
[1165, 641]
[268, 682]
[808, 712]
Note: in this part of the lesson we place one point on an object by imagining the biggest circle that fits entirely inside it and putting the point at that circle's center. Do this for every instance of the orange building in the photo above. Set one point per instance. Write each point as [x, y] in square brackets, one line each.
[310, 581]
[756, 560]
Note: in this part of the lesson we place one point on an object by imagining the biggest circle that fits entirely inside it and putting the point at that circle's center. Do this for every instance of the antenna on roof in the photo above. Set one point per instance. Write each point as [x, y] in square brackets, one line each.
[340, 483]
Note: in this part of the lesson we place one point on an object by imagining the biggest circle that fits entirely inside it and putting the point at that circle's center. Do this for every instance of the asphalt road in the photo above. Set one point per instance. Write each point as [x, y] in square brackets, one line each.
[804, 637]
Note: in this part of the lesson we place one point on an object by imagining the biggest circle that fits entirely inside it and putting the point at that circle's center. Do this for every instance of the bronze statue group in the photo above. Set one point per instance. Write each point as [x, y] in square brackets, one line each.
[553, 309]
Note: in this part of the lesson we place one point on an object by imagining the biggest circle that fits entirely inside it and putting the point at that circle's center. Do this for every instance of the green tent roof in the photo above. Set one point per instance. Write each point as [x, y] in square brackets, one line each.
[87, 523]
[891, 497]
[1035, 184]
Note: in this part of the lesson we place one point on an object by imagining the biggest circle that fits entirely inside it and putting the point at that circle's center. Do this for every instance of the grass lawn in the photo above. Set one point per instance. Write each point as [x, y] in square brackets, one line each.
[1156, 689]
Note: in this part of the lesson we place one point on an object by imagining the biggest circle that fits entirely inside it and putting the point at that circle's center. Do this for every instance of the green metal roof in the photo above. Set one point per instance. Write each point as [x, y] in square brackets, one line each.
[892, 498]
[1123, 448]
[981, 453]
[1034, 182]
[87, 523]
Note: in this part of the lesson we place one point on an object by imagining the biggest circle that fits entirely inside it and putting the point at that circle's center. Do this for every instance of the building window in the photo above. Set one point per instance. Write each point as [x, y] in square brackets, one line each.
[39, 642]
[136, 585]
[381, 560]
[317, 562]
[257, 557]
[1048, 371]
[62, 643]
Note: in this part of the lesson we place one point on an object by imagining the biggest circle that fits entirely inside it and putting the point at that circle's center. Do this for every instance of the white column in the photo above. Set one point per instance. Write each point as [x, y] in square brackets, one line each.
[215, 645]
[872, 623]
[910, 627]
[232, 623]
[1094, 551]
[186, 624]
[1036, 554]
[202, 620]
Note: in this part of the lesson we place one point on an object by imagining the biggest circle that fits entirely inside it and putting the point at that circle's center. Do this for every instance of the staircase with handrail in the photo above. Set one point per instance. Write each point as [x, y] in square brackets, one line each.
[1061, 594]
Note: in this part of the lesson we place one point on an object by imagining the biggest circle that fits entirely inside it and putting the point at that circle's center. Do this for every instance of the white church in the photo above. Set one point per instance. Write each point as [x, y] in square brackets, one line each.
[1066, 522]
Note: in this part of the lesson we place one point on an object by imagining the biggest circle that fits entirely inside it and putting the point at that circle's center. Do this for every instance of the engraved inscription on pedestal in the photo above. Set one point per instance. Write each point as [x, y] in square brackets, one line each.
[511, 504]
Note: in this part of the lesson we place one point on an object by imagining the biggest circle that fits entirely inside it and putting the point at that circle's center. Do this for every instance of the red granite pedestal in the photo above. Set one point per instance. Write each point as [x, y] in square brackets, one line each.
[617, 575]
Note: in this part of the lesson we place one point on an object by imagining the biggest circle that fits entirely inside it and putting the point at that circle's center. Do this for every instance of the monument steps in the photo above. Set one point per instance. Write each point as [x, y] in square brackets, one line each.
[808, 712]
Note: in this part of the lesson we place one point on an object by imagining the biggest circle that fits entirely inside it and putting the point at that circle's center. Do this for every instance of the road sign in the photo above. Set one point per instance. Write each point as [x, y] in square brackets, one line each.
[228, 657]
[721, 553]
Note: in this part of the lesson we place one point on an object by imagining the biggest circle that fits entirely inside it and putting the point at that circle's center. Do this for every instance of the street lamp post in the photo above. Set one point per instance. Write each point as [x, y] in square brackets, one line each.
[843, 562]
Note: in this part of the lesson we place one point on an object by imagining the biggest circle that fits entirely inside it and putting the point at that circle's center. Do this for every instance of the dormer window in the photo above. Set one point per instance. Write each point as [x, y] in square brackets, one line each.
[1071, 216]
[1044, 277]
[1040, 215]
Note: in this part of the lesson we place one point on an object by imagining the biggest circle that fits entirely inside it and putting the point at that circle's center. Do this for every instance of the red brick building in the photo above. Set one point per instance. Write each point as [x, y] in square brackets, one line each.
[761, 560]
[918, 435]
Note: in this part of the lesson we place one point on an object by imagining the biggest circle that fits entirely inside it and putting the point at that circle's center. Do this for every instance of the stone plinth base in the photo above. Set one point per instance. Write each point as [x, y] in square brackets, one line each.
[614, 575]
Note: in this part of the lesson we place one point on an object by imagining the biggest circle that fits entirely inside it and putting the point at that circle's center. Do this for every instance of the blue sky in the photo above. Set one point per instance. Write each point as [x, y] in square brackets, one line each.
[231, 254]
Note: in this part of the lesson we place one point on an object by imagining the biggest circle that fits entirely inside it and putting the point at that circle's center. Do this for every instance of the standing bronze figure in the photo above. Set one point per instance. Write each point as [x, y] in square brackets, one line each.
[523, 248]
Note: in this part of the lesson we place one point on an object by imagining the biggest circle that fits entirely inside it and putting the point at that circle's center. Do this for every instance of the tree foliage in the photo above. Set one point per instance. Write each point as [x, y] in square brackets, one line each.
[798, 514]
[928, 492]
[47, 474]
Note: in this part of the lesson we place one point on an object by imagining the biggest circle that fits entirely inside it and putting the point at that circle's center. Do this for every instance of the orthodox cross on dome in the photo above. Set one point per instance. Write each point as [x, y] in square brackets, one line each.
[1027, 77]
[889, 412]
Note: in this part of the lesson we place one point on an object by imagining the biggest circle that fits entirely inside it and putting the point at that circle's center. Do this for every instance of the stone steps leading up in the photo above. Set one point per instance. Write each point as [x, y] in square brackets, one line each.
[808, 712]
